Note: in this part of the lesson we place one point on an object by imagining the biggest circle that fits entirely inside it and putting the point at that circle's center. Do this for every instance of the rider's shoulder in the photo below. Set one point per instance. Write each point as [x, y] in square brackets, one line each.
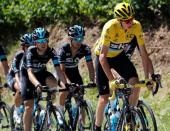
[19, 53]
[31, 48]
[111, 24]
[136, 22]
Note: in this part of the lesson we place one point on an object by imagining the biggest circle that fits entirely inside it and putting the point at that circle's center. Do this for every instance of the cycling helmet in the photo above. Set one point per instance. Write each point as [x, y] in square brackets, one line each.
[40, 33]
[124, 11]
[76, 32]
[26, 39]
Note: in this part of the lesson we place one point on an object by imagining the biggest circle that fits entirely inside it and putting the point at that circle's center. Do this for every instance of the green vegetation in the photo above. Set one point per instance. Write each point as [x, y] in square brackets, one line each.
[17, 16]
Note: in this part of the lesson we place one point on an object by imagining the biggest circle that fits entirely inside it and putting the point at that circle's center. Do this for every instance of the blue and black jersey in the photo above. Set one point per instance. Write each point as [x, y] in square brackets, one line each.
[66, 58]
[2, 54]
[38, 62]
[15, 66]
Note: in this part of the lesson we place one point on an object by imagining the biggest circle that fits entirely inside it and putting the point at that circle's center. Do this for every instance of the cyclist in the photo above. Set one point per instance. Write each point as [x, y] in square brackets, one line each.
[34, 73]
[13, 79]
[70, 55]
[129, 50]
[3, 60]
[111, 62]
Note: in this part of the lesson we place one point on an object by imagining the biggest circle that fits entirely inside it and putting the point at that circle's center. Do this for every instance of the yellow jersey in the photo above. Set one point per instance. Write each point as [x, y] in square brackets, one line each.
[116, 38]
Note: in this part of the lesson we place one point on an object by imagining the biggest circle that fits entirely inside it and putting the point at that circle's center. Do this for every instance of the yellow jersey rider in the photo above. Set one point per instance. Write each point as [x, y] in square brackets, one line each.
[111, 61]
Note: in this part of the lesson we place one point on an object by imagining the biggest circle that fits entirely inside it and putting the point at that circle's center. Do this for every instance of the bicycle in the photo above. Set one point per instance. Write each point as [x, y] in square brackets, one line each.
[51, 118]
[81, 114]
[36, 112]
[130, 117]
[5, 112]
[146, 110]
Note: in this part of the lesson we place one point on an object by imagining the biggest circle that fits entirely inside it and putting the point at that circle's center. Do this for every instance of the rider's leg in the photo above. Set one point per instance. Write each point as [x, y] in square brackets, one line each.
[18, 98]
[27, 118]
[103, 100]
[133, 99]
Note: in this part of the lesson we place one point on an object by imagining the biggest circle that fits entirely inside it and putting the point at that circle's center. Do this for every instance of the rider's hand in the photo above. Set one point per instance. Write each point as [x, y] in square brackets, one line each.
[92, 84]
[149, 84]
[115, 83]
[39, 88]
[156, 77]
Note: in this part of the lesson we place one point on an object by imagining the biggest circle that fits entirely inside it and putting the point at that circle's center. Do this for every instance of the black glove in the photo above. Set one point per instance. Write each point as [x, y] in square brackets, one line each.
[92, 84]
[156, 77]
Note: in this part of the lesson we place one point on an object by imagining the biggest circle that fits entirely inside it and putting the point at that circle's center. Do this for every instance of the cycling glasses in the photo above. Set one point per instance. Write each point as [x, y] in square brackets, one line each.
[78, 39]
[41, 41]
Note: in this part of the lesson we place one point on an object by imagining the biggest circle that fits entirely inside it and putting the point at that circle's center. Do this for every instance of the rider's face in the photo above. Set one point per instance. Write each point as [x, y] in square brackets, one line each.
[41, 44]
[127, 24]
[76, 44]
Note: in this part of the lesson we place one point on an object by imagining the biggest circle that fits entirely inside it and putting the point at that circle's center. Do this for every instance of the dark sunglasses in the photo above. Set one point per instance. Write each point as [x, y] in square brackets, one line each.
[41, 41]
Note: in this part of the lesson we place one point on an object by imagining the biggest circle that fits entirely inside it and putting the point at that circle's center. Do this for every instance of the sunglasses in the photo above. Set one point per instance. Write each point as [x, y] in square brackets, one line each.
[79, 39]
[127, 21]
[41, 41]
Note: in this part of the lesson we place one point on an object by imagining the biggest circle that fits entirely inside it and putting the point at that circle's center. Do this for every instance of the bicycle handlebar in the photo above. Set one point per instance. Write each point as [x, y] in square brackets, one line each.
[52, 90]
[141, 84]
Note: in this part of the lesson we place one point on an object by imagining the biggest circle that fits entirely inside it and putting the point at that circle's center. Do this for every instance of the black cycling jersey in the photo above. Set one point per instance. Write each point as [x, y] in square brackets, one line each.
[16, 63]
[131, 47]
[37, 62]
[65, 55]
[2, 54]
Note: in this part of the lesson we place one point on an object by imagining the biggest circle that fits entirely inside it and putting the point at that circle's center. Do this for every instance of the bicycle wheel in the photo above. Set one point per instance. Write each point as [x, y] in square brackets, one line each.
[68, 118]
[107, 124]
[57, 121]
[86, 117]
[16, 126]
[131, 120]
[148, 115]
[36, 117]
[5, 115]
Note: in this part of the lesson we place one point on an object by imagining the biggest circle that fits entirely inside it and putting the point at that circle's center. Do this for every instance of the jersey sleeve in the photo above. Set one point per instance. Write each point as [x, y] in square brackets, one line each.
[2, 54]
[55, 58]
[61, 56]
[16, 62]
[139, 34]
[105, 36]
[29, 59]
[88, 56]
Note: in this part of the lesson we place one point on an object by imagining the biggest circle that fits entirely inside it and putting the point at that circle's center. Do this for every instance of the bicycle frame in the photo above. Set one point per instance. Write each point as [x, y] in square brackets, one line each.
[78, 94]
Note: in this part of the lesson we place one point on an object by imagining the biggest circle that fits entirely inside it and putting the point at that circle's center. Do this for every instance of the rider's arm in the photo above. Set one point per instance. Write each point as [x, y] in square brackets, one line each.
[4, 62]
[104, 63]
[91, 71]
[32, 77]
[5, 67]
[60, 74]
[16, 65]
[62, 66]
[147, 65]
[17, 78]
[89, 62]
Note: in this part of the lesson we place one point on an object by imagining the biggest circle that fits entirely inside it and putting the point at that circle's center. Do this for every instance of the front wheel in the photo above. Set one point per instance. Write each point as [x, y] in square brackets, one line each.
[132, 120]
[86, 117]
[148, 115]
[5, 117]
[57, 120]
